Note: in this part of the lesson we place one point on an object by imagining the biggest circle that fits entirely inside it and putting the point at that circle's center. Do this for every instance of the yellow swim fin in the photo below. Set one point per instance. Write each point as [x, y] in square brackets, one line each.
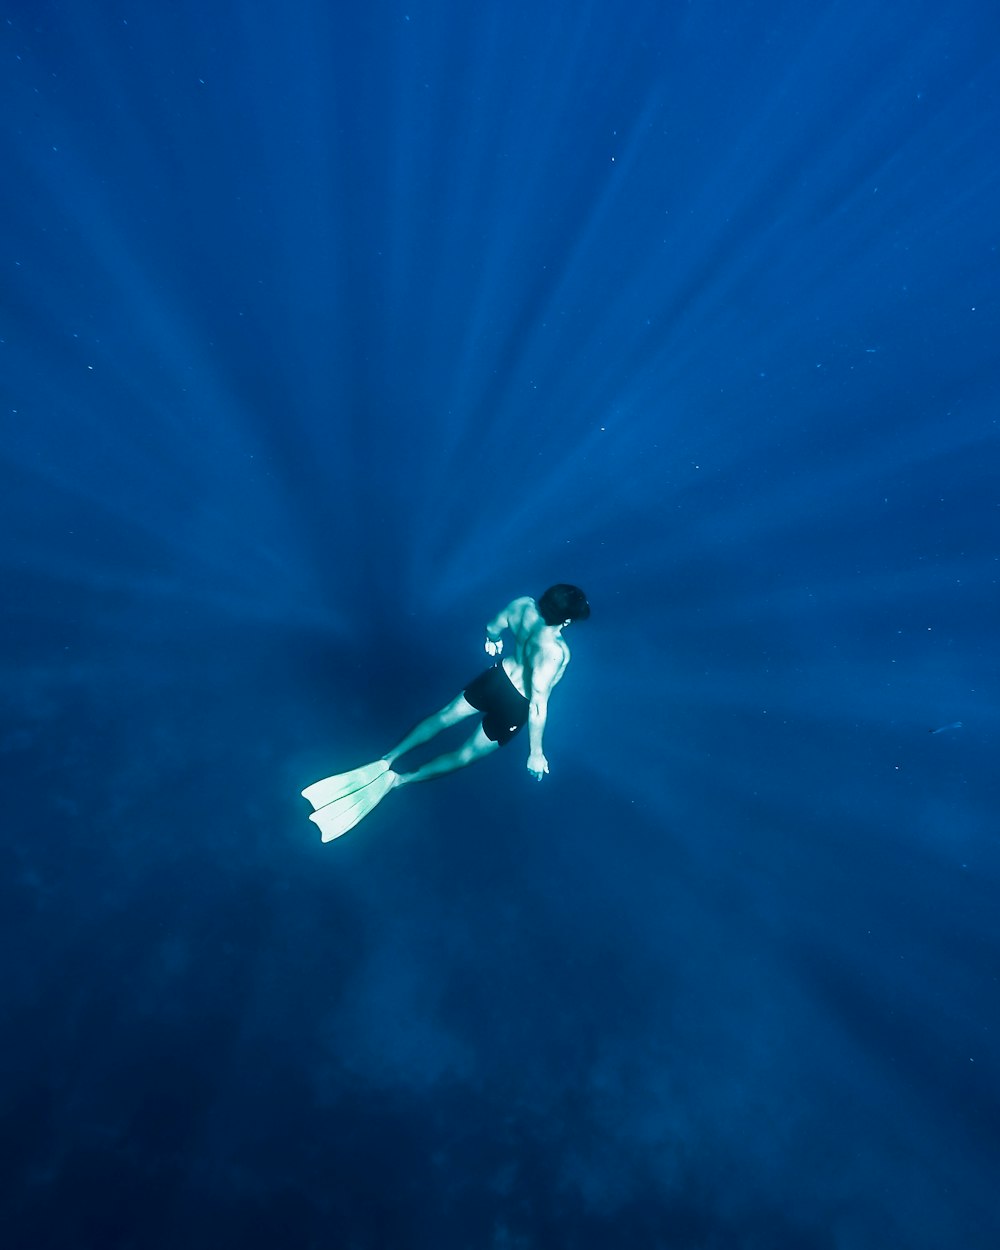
[345, 812]
[332, 788]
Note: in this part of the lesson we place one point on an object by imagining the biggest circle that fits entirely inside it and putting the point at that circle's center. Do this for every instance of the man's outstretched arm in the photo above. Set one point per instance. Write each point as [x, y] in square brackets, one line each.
[544, 676]
[538, 711]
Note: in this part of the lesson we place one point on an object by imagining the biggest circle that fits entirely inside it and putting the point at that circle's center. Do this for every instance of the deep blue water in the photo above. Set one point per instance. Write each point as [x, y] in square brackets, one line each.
[327, 329]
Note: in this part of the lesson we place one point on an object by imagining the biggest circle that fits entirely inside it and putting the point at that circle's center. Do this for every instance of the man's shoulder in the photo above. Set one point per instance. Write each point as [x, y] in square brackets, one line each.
[552, 653]
[523, 610]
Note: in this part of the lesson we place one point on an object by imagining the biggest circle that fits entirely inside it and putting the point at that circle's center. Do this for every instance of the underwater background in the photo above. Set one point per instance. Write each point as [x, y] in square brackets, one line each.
[325, 330]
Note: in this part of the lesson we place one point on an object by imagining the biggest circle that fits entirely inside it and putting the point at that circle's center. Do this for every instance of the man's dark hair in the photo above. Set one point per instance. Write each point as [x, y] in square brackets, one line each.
[563, 603]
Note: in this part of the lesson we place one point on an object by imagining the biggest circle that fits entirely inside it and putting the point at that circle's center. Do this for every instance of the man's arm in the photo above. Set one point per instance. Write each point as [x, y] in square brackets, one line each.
[502, 620]
[538, 711]
[544, 675]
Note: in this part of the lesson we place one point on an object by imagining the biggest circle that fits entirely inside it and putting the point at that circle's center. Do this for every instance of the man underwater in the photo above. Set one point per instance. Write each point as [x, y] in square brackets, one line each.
[514, 692]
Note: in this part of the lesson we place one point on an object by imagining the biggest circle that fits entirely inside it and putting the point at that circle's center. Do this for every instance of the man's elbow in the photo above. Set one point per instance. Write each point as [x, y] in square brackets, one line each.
[538, 709]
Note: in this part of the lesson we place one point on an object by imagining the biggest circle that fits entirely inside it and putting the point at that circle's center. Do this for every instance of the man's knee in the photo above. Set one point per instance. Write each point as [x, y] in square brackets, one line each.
[457, 710]
[468, 752]
[477, 746]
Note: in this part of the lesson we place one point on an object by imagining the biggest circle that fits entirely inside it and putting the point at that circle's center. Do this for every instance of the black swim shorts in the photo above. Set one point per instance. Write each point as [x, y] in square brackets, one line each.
[505, 706]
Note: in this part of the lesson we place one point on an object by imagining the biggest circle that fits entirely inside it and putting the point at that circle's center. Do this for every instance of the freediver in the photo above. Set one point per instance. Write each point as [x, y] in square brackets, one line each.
[513, 693]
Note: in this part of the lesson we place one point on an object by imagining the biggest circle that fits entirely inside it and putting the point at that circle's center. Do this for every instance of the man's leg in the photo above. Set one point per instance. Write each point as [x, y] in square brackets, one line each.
[457, 710]
[474, 749]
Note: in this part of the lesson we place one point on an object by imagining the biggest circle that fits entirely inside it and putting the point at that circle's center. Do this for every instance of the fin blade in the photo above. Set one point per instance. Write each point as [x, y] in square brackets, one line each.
[340, 785]
[337, 818]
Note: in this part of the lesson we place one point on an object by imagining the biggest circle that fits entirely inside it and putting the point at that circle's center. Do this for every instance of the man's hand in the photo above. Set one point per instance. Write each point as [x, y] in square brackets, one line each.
[494, 648]
[538, 765]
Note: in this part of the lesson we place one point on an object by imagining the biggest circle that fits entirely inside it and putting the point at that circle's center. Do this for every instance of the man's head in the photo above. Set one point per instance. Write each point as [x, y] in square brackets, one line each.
[563, 603]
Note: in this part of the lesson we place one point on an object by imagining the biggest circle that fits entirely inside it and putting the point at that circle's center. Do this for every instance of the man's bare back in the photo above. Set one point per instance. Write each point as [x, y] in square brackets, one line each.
[540, 657]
